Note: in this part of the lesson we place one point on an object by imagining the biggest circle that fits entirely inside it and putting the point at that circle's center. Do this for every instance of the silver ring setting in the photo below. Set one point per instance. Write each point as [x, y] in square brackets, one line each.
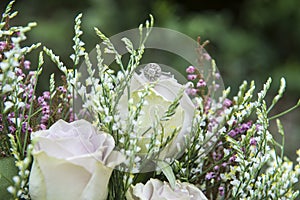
[152, 71]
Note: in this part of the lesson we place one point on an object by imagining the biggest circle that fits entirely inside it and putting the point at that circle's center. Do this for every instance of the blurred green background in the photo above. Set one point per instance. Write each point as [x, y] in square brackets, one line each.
[249, 39]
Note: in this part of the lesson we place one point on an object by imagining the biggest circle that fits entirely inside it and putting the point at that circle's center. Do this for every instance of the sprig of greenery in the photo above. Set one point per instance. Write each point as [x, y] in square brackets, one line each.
[19, 189]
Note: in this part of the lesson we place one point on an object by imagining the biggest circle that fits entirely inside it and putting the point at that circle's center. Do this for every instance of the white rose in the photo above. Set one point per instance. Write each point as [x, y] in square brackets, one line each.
[158, 101]
[156, 190]
[72, 161]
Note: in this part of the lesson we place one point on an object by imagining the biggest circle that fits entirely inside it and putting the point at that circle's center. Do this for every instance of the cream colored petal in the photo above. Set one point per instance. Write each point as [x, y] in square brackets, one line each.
[61, 129]
[144, 192]
[157, 104]
[87, 161]
[37, 186]
[115, 158]
[194, 191]
[106, 146]
[97, 188]
[155, 189]
[62, 180]
[179, 140]
[56, 147]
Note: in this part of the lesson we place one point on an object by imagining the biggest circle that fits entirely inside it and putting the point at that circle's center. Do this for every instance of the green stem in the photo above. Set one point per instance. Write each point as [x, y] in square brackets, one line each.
[285, 112]
[31, 103]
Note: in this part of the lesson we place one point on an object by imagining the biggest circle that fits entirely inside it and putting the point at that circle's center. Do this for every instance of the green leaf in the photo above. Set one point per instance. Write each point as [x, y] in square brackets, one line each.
[168, 172]
[7, 171]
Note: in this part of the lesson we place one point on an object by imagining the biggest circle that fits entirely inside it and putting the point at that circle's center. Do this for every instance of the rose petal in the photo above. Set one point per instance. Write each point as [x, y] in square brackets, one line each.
[61, 180]
[96, 189]
[155, 189]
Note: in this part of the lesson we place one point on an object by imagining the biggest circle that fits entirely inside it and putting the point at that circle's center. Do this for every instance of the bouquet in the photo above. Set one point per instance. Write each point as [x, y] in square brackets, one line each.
[115, 128]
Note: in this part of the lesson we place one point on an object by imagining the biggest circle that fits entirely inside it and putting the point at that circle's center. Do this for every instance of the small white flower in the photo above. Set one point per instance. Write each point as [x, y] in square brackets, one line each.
[11, 189]
[4, 66]
[88, 81]
[16, 179]
[7, 105]
[7, 88]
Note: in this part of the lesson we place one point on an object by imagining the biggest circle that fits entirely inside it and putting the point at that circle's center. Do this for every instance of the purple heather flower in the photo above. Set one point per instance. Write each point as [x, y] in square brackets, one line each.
[232, 133]
[232, 158]
[209, 175]
[11, 129]
[241, 129]
[43, 127]
[2, 45]
[11, 115]
[62, 89]
[19, 72]
[44, 103]
[201, 83]
[45, 118]
[1, 127]
[27, 106]
[208, 104]
[243, 149]
[46, 110]
[224, 164]
[253, 141]
[46, 95]
[31, 91]
[26, 127]
[41, 100]
[27, 64]
[11, 118]
[220, 143]
[227, 103]
[30, 130]
[206, 56]
[217, 75]
[216, 168]
[31, 73]
[245, 126]
[191, 77]
[192, 91]
[190, 69]
[221, 191]
[259, 127]
[216, 156]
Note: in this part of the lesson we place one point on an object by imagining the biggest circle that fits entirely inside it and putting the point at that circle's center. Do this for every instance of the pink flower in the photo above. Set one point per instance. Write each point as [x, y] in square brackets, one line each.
[201, 83]
[191, 77]
[190, 69]
[43, 127]
[192, 91]
[209, 175]
[27, 64]
[46, 95]
[206, 56]
[227, 103]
